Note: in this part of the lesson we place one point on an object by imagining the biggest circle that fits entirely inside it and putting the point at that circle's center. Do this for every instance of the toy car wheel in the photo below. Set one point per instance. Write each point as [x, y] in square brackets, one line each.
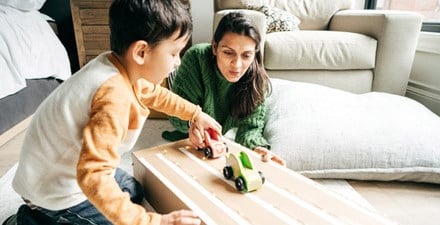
[262, 177]
[227, 172]
[208, 152]
[226, 147]
[239, 184]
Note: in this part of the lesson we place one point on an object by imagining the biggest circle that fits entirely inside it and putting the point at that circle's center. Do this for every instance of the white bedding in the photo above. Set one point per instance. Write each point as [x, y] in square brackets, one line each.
[29, 49]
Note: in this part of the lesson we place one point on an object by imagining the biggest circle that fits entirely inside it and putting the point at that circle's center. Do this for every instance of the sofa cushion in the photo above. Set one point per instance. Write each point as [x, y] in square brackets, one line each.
[313, 14]
[329, 50]
[329, 133]
[277, 20]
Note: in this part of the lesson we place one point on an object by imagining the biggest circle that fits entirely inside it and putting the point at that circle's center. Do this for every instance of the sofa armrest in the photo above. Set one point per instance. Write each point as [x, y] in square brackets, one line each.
[397, 35]
[258, 18]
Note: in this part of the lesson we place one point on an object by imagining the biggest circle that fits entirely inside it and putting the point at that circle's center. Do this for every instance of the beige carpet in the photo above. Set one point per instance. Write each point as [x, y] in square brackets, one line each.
[151, 136]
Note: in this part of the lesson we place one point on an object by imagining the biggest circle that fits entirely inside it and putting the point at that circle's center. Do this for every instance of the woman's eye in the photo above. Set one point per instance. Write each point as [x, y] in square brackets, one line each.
[247, 56]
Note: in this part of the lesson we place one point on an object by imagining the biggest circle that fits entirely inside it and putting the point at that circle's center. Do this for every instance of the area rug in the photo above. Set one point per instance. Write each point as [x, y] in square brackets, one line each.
[151, 136]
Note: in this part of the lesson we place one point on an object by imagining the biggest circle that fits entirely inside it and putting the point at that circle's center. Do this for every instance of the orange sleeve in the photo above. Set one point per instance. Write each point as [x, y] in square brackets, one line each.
[161, 99]
[99, 158]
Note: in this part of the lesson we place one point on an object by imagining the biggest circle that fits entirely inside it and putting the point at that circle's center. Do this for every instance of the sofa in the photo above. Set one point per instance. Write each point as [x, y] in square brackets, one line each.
[333, 44]
[338, 75]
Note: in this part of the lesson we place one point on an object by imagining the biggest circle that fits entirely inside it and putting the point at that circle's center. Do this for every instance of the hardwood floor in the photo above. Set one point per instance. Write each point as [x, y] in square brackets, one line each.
[10, 145]
[9, 153]
[404, 202]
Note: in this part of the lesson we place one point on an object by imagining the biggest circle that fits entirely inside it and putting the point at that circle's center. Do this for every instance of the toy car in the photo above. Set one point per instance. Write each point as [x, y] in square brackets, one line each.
[239, 167]
[215, 147]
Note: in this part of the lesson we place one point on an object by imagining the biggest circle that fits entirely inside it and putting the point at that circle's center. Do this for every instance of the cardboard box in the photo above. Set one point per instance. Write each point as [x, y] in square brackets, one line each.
[177, 176]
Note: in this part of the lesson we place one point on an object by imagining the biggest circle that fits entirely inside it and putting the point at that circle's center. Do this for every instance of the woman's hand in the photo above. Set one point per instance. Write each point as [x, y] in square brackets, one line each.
[267, 156]
[181, 217]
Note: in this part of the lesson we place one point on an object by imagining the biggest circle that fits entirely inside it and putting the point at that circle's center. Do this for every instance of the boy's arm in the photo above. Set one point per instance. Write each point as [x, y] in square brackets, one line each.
[250, 130]
[161, 99]
[99, 158]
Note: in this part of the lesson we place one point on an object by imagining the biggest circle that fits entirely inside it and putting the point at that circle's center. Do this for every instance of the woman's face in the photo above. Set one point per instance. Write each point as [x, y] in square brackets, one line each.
[234, 54]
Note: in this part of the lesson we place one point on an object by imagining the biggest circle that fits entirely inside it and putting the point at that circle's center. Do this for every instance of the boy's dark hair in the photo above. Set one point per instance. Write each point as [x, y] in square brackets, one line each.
[251, 90]
[148, 20]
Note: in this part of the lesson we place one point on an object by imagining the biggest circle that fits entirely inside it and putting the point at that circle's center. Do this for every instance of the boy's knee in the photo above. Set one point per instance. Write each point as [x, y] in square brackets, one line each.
[129, 184]
[136, 192]
[23, 217]
[26, 216]
[12, 220]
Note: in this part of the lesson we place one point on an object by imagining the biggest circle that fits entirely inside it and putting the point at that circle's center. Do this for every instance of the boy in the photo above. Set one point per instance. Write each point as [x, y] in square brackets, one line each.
[67, 171]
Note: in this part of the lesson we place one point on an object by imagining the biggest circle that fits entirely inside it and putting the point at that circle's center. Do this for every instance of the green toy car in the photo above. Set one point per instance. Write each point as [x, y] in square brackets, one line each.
[239, 167]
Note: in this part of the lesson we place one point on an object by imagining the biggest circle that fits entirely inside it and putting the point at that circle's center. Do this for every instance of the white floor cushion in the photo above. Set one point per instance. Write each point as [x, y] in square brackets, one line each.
[328, 133]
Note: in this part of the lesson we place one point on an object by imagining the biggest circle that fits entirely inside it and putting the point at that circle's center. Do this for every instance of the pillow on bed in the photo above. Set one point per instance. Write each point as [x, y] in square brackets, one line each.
[329, 133]
[29, 49]
[25, 5]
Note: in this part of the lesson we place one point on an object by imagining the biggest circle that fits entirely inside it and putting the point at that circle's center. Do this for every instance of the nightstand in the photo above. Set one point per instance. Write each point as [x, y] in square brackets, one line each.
[90, 23]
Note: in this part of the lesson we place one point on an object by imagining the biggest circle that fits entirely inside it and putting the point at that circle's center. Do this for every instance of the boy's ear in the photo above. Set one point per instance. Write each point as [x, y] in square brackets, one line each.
[140, 49]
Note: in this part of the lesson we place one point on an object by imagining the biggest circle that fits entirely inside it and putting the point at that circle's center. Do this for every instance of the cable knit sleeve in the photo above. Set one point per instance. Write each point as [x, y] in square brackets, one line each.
[250, 130]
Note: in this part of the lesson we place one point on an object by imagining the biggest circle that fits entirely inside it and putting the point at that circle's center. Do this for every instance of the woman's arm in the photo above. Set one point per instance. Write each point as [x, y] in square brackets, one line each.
[250, 134]
[188, 83]
[250, 130]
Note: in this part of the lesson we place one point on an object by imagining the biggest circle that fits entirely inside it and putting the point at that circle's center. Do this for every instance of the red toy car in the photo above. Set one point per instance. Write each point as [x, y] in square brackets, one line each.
[215, 146]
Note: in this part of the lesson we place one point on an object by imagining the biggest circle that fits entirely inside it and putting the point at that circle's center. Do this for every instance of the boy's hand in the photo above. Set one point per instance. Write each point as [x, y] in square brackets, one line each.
[181, 217]
[197, 129]
[267, 155]
[195, 137]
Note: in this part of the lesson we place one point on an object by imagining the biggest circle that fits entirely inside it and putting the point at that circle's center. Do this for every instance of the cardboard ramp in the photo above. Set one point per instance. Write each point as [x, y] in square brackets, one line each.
[177, 176]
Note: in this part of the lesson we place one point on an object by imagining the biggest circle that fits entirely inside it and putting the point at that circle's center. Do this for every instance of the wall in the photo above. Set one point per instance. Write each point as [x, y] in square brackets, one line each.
[424, 83]
[359, 4]
[202, 12]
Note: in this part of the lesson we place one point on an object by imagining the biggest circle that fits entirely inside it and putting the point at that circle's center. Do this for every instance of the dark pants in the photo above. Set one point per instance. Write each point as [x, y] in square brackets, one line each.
[83, 213]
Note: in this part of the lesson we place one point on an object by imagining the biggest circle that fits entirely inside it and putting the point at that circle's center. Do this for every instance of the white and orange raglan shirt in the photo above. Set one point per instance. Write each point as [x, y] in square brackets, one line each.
[77, 135]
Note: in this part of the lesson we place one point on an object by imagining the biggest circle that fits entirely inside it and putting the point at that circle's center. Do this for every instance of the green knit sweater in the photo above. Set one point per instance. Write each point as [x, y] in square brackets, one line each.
[199, 81]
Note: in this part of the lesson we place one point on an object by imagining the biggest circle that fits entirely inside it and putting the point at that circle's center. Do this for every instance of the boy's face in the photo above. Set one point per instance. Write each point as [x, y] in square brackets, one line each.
[163, 58]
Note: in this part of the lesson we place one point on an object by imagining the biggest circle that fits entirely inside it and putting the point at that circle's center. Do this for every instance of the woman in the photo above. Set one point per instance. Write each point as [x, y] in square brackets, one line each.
[227, 79]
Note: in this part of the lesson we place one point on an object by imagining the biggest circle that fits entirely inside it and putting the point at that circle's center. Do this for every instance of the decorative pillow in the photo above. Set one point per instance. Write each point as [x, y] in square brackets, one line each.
[329, 133]
[277, 20]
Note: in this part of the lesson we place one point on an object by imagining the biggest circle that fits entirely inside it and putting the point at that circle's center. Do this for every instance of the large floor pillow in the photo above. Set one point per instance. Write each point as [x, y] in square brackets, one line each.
[329, 133]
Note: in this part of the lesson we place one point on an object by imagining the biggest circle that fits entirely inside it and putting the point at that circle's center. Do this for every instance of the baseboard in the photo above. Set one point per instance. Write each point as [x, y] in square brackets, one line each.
[425, 94]
[12, 132]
